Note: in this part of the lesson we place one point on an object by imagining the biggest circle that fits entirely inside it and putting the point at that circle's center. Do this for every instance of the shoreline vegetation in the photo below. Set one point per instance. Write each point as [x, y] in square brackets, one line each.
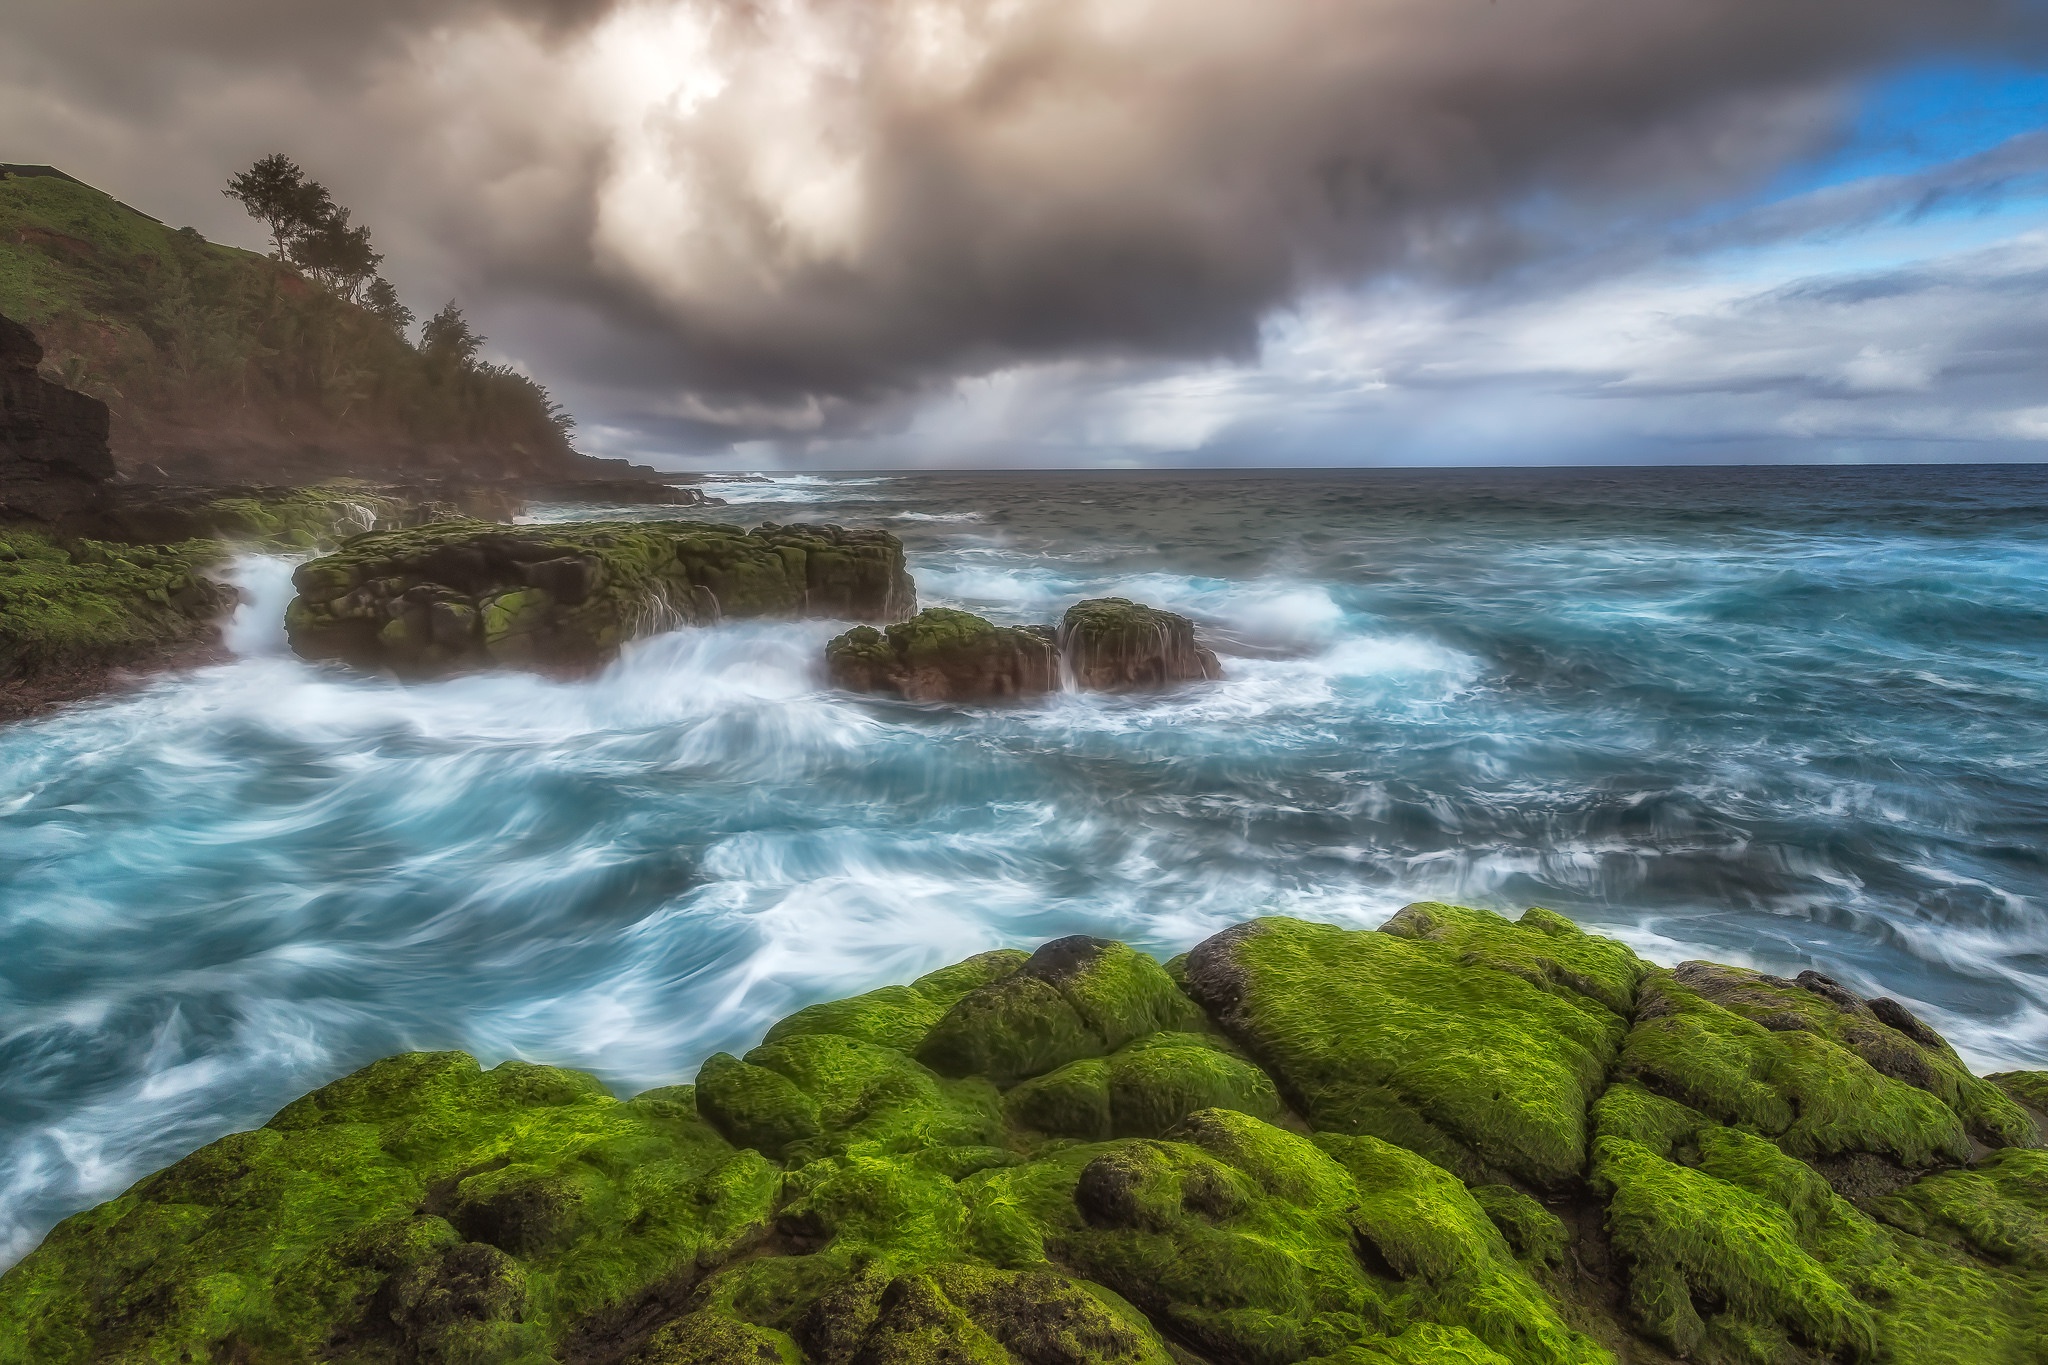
[1456, 1138]
[165, 401]
[223, 365]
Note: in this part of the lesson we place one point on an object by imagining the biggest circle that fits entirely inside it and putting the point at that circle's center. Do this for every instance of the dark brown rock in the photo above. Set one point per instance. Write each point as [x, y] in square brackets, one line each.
[53, 442]
[1112, 644]
[945, 655]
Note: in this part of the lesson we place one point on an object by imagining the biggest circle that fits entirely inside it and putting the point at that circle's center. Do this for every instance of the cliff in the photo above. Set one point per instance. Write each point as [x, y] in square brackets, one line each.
[53, 442]
[1454, 1140]
[223, 366]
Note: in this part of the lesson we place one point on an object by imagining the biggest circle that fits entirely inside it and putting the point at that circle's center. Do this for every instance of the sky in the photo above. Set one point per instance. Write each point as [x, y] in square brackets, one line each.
[788, 234]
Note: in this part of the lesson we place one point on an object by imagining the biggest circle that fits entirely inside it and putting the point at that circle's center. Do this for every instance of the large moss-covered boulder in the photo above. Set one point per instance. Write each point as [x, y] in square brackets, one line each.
[1111, 644]
[458, 594]
[1456, 1140]
[943, 655]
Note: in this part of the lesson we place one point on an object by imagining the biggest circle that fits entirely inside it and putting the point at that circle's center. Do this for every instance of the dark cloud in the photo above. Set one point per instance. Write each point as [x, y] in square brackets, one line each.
[791, 216]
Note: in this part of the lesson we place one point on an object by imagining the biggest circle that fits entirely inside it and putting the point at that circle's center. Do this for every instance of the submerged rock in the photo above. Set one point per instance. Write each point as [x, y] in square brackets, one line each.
[945, 655]
[1112, 644]
[1458, 1138]
[463, 594]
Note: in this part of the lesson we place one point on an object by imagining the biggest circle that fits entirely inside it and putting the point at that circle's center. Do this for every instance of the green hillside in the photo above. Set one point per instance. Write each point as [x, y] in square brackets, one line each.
[208, 353]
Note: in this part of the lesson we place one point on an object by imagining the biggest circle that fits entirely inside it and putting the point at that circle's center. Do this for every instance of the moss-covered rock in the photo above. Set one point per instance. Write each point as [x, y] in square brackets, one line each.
[1501, 1148]
[460, 594]
[74, 607]
[1112, 644]
[945, 655]
[70, 611]
[1420, 1041]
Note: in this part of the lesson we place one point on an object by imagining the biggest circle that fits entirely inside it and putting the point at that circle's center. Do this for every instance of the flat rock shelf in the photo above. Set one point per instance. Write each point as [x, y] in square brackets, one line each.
[456, 595]
[1457, 1138]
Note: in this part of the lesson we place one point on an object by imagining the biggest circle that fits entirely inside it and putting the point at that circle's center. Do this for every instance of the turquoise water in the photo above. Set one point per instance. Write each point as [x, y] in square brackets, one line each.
[1786, 718]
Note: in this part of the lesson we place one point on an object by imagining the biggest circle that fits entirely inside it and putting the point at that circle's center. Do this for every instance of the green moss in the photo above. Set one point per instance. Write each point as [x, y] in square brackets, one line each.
[1542, 947]
[945, 655]
[2030, 1088]
[89, 602]
[712, 1338]
[1076, 997]
[420, 1196]
[1881, 1032]
[1998, 1210]
[1402, 1038]
[900, 1016]
[1816, 1097]
[1687, 1236]
[1112, 644]
[459, 593]
[1536, 1234]
[1142, 1090]
[833, 1197]
[754, 1106]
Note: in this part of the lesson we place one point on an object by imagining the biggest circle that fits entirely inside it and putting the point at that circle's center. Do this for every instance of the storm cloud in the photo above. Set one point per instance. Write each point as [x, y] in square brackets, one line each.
[798, 217]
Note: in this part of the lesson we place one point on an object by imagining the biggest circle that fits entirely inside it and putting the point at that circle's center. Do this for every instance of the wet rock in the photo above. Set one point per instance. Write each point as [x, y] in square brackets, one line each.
[1112, 644]
[53, 441]
[945, 655]
[456, 595]
[1081, 1156]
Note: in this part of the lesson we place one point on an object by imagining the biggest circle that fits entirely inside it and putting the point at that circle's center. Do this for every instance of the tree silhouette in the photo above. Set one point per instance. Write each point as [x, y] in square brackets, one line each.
[448, 340]
[381, 300]
[336, 254]
[275, 190]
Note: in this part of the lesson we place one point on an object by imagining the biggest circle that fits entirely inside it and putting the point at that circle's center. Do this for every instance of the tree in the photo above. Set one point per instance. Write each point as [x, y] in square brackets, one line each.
[275, 190]
[337, 255]
[381, 300]
[448, 340]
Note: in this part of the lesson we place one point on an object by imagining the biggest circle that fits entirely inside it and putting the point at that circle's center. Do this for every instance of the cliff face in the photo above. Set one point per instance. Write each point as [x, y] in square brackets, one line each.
[53, 442]
[223, 366]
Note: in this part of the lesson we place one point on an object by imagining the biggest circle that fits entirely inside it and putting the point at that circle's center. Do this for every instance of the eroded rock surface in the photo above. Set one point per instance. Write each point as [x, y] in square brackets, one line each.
[1457, 1140]
[945, 655]
[53, 442]
[1112, 644]
[462, 594]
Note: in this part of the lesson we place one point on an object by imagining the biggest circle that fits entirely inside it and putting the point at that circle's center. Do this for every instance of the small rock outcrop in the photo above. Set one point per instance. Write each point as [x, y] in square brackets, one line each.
[53, 442]
[1109, 645]
[1112, 644]
[455, 595]
[945, 655]
[1458, 1138]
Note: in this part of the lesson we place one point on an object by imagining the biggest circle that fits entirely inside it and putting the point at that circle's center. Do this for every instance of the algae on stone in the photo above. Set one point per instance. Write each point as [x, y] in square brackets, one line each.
[461, 594]
[945, 655]
[1522, 1144]
[1112, 644]
[90, 603]
[1403, 1038]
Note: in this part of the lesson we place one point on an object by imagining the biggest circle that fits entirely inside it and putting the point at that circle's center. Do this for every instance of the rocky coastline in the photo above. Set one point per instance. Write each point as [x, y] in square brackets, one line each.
[1456, 1138]
[104, 577]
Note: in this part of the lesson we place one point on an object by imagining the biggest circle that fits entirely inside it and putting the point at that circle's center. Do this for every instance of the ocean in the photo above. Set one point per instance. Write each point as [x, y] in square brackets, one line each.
[1785, 718]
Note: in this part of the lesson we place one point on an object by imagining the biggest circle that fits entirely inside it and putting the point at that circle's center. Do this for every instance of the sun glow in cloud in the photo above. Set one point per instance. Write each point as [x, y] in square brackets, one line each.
[1052, 231]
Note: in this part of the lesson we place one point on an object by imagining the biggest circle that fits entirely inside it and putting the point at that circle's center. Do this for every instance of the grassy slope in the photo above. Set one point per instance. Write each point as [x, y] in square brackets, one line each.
[1065, 1159]
[183, 337]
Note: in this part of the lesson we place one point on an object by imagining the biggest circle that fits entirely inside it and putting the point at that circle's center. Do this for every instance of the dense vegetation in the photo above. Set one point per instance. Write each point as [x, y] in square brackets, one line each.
[180, 335]
[1457, 1140]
